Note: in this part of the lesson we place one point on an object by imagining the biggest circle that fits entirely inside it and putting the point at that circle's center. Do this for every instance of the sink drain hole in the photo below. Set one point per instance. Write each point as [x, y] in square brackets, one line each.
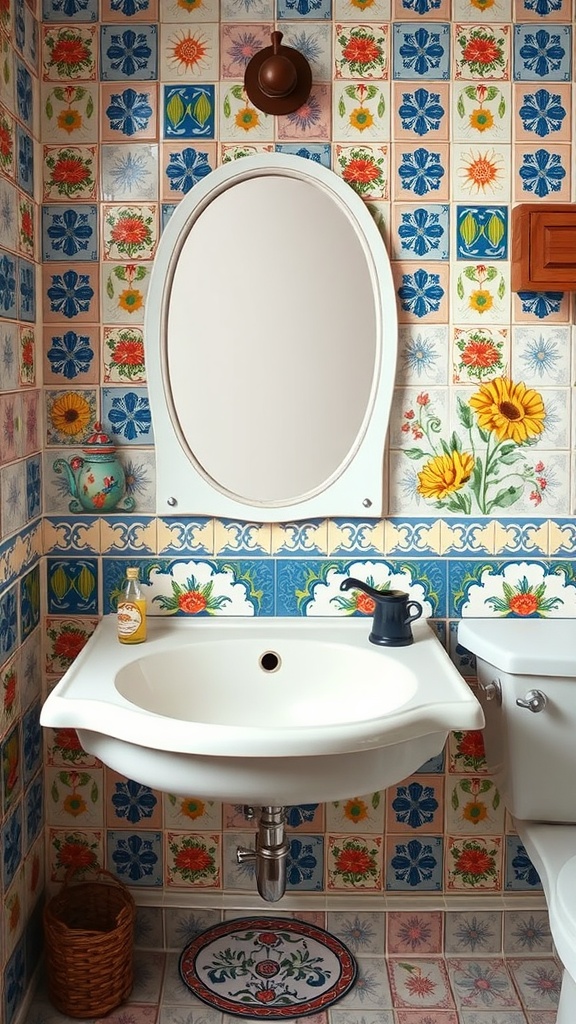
[270, 661]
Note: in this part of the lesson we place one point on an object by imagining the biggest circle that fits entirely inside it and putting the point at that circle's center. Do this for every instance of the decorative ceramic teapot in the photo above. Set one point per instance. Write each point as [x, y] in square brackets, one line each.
[97, 482]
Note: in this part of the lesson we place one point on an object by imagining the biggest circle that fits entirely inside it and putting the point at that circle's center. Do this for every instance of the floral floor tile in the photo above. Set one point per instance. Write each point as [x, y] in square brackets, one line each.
[473, 932]
[482, 984]
[427, 1017]
[372, 988]
[414, 932]
[420, 983]
[538, 982]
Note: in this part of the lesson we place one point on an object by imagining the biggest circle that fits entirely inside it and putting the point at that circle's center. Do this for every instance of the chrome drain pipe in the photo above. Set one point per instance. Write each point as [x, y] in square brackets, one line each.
[270, 854]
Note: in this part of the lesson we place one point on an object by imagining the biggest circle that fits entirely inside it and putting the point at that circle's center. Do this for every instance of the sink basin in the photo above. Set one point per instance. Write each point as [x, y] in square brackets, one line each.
[269, 711]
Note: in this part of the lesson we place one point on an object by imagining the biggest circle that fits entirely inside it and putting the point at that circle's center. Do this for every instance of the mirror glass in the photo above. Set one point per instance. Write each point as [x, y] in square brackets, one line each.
[271, 350]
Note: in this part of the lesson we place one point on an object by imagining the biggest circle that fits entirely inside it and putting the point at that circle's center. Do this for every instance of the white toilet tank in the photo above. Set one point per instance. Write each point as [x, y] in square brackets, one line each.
[532, 753]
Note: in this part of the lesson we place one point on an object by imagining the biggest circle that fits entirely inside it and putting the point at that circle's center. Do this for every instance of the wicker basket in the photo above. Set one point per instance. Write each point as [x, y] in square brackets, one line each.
[89, 932]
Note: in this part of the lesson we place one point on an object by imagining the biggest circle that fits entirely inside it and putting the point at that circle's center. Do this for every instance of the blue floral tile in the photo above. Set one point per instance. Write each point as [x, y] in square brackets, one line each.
[415, 805]
[128, 53]
[542, 53]
[33, 812]
[71, 294]
[135, 857]
[294, 9]
[130, 111]
[72, 586]
[318, 152]
[26, 290]
[189, 111]
[414, 864]
[540, 304]
[421, 293]
[70, 233]
[24, 160]
[70, 354]
[422, 232]
[559, 10]
[520, 875]
[482, 232]
[69, 10]
[420, 52]
[543, 173]
[31, 742]
[542, 112]
[131, 802]
[126, 415]
[305, 864]
[186, 167]
[11, 844]
[24, 94]
[421, 111]
[421, 171]
[19, 24]
[8, 624]
[33, 487]
[8, 298]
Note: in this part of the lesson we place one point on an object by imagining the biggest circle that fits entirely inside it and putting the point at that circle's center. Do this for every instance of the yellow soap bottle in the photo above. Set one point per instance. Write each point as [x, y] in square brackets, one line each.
[132, 611]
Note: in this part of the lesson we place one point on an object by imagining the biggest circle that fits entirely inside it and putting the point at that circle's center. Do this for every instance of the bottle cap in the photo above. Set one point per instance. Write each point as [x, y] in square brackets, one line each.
[132, 574]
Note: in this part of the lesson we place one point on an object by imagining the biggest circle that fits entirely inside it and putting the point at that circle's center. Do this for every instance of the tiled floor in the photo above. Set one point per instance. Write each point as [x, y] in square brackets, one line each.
[392, 990]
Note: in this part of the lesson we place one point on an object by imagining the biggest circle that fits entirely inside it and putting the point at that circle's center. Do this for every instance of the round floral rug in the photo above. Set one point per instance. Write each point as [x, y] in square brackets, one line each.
[268, 967]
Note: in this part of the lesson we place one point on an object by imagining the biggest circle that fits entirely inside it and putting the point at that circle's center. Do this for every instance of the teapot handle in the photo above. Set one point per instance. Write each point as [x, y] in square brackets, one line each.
[417, 613]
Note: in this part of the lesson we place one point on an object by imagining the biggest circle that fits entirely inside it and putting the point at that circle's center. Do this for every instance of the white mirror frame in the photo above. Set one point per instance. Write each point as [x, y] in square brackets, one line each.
[357, 488]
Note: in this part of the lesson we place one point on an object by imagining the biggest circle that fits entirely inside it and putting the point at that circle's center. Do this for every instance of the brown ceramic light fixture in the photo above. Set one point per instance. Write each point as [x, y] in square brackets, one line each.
[278, 79]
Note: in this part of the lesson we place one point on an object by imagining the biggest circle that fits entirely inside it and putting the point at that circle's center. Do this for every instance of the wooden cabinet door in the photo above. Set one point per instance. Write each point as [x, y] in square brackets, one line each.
[544, 247]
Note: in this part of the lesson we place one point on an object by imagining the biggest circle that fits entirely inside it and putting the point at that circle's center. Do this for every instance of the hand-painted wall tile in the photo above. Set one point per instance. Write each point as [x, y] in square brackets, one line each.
[305, 864]
[129, 112]
[421, 232]
[68, 54]
[420, 52]
[69, 172]
[135, 857]
[183, 166]
[414, 864]
[520, 873]
[72, 586]
[190, 51]
[482, 52]
[354, 862]
[128, 54]
[482, 232]
[187, 587]
[542, 53]
[542, 114]
[313, 588]
[520, 589]
[72, 293]
[473, 863]
[70, 10]
[315, 9]
[189, 111]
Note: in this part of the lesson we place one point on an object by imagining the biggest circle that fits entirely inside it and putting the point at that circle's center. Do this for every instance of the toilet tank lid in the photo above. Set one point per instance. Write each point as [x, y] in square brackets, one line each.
[535, 646]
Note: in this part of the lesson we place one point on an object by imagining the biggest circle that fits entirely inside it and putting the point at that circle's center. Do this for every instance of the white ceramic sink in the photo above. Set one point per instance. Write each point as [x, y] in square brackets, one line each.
[267, 711]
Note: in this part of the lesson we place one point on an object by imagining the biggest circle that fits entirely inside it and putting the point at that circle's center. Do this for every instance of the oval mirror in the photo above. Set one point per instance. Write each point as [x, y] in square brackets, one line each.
[270, 346]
